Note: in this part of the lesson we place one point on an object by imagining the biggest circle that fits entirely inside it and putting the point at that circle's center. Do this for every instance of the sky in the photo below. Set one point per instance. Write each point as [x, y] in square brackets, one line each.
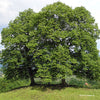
[9, 9]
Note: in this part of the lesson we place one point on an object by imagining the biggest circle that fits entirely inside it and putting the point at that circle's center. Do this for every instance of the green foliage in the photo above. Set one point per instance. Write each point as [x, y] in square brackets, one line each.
[16, 59]
[75, 82]
[94, 84]
[51, 44]
[80, 82]
[7, 85]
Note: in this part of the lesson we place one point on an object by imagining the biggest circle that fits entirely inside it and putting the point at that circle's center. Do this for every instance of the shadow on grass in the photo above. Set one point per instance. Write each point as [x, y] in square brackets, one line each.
[43, 87]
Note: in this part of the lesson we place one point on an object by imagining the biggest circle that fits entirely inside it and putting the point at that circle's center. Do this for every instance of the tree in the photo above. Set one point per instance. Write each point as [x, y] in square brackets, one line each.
[53, 30]
[86, 47]
[51, 44]
[68, 38]
[16, 58]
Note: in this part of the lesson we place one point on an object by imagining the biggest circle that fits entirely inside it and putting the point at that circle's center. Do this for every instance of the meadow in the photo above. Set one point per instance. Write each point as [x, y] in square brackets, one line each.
[51, 93]
[77, 90]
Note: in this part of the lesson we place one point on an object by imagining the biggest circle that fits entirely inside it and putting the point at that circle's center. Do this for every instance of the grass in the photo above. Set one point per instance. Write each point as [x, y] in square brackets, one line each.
[51, 93]
[20, 90]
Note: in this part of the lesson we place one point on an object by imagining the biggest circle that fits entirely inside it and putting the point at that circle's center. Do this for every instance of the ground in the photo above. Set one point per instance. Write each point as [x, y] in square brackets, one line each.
[51, 93]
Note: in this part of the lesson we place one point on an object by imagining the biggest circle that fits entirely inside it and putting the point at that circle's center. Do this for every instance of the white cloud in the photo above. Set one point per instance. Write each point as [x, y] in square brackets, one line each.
[6, 14]
[9, 9]
[98, 44]
[0, 38]
[1, 47]
[4, 4]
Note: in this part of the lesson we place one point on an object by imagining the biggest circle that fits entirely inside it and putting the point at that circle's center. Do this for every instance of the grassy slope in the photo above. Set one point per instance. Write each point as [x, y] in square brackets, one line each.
[41, 93]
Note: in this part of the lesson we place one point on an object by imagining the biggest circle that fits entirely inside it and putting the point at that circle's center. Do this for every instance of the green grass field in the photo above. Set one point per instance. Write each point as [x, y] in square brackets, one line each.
[51, 93]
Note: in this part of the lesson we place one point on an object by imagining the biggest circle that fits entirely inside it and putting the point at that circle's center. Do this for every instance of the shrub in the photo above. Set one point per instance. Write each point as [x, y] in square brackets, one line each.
[7, 85]
[82, 82]
[75, 82]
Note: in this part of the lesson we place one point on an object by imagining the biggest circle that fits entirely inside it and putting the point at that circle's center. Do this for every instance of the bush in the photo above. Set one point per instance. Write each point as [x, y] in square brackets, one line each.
[81, 82]
[75, 82]
[7, 85]
[94, 84]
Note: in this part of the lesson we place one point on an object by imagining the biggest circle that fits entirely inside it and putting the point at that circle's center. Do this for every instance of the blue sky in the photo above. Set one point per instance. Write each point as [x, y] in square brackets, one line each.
[9, 9]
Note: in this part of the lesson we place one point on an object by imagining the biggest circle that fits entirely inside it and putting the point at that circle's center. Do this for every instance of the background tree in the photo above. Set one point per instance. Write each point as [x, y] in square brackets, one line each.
[56, 42]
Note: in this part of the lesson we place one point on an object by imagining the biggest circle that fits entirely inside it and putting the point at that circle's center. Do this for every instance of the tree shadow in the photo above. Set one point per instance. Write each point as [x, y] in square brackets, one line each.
[43, 87]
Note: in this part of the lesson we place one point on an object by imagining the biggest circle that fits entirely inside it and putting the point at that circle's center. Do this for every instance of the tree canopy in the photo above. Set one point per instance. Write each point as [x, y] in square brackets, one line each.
[56, 42]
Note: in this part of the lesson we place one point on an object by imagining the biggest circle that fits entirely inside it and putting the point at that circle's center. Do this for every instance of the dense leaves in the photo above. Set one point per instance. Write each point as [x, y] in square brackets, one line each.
[51, 44]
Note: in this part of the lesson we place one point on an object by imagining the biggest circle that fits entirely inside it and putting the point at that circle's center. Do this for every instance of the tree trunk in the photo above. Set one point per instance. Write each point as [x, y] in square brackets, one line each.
[32, 81]
[32, 73]
[63, 82]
